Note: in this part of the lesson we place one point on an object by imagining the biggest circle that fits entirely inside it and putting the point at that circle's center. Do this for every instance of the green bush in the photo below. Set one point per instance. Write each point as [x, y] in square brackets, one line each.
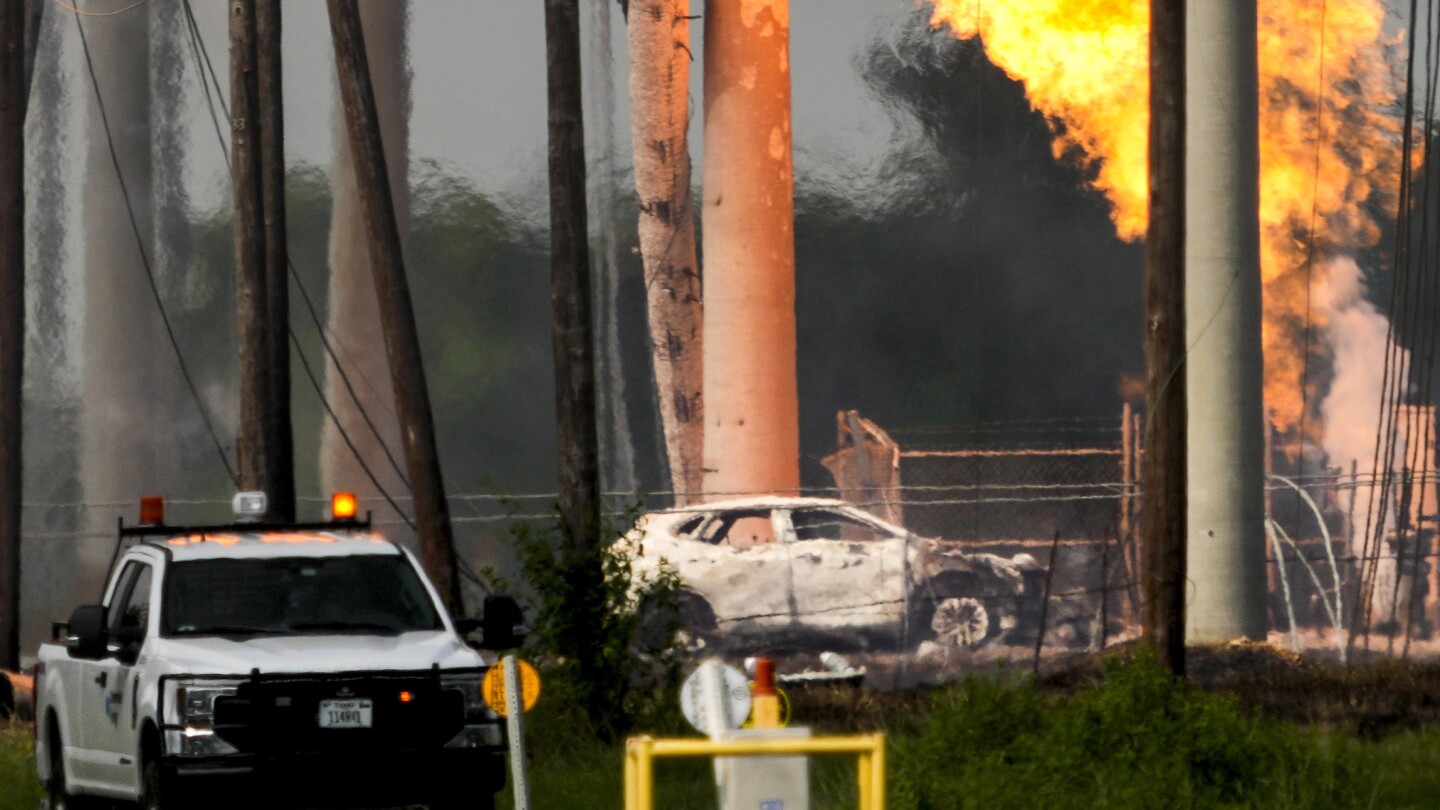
[1138, 739]
[605, 639]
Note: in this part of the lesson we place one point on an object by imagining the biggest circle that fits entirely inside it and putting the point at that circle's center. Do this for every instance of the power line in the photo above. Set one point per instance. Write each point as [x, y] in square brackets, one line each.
[204, 63]
[145, 259]
[77, 12]
[309, 372]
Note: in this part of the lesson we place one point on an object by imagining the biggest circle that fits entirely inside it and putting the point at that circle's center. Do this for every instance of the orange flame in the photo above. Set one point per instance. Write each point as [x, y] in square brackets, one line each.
[1330, 149]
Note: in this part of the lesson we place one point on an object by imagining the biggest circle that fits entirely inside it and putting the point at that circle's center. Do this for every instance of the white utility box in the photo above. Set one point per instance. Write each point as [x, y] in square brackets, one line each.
[765, 783]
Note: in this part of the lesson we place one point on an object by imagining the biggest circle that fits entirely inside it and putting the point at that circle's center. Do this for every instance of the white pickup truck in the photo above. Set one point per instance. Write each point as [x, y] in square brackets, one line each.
[293, 665]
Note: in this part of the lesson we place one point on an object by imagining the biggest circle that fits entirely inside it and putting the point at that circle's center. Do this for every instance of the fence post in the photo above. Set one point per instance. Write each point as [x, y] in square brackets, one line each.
[1045, 600]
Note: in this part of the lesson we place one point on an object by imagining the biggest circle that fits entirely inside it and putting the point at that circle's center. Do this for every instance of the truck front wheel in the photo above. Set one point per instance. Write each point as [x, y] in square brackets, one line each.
[55, 788]
[156, 791]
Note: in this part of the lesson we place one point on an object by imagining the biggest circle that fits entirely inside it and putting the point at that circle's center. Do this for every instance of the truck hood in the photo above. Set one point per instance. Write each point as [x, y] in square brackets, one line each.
[315, 653]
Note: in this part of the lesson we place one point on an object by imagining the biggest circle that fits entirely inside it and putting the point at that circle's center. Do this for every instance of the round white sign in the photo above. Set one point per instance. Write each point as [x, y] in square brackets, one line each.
[734, 701]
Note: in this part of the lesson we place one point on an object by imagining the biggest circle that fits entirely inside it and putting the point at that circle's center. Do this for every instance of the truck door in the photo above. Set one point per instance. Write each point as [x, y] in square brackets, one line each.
[111, 716]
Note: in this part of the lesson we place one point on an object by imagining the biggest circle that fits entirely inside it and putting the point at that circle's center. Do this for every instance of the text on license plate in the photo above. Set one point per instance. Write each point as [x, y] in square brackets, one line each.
[345, 713]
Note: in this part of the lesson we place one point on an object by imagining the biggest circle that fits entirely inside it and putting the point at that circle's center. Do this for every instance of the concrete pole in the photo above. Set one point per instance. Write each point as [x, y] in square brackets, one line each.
[1226, 533]
[125, 381]
[659, 39]
[752, 441]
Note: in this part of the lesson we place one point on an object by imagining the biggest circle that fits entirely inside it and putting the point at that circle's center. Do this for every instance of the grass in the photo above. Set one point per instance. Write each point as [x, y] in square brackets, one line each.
[568, 770]
[1131, 739]
[19, 788]
[1398, 771]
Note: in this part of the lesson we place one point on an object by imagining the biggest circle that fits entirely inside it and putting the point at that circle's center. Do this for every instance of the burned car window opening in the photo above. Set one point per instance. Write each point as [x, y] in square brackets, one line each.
[689, 526]
[296, 595]
[740, 529]
[825, 524]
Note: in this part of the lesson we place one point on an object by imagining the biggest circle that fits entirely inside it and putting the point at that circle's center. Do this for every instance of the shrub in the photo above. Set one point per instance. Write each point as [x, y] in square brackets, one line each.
[1138, 739]
[596, 636]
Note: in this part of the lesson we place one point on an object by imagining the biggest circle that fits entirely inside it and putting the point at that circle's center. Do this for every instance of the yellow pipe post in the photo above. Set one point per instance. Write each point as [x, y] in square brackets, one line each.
[631, 802]
[645, 776]
[640, 753]
[877, 776]
[864, 774]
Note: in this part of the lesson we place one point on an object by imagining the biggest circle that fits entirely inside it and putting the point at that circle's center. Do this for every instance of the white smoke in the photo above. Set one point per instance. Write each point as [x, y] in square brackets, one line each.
[1352, 412]
[1358, 337]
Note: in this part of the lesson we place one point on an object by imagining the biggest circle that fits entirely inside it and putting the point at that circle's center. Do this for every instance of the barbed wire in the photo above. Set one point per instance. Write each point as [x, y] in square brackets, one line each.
[1333, 480]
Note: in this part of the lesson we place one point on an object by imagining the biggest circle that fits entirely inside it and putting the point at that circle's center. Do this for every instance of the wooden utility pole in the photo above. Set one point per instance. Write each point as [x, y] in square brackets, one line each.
[251, 298]
[571, 330]
[402, 342]
[280, 455]
[570, 280]
[12, 317]
[1163, 469]
[34, 15]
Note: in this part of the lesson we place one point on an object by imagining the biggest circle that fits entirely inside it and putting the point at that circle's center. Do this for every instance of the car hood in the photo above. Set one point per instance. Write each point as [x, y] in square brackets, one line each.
[316, 653]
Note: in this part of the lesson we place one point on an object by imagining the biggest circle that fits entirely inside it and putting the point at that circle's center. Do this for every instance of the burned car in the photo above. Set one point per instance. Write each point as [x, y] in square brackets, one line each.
[811, 570]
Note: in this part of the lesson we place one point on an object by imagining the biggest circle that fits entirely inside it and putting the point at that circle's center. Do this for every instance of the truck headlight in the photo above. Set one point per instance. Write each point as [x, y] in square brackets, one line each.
[190, 717]
[482, 727]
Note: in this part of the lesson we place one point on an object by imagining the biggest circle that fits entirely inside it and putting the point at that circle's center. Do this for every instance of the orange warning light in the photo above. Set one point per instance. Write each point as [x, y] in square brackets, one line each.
[342, 506]
[152, 510]
[406, 697]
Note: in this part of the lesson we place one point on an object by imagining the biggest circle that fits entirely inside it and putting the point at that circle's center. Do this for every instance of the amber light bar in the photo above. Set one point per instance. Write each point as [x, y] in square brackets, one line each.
[343, 506]
[152, 510]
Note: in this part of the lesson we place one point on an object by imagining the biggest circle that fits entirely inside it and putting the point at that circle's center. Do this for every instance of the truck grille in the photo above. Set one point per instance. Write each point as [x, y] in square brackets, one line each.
[280, 714]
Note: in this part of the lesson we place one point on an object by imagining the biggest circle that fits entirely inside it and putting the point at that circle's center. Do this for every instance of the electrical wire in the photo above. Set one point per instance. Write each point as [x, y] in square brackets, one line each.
[309, 372]
[204, 63]
[145, 259]
[1310, 244]
[77, 12]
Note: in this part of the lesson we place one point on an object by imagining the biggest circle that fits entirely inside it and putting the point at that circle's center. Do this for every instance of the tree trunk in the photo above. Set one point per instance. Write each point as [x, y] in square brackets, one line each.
[659, 34]
[752, 431]
[360, 397]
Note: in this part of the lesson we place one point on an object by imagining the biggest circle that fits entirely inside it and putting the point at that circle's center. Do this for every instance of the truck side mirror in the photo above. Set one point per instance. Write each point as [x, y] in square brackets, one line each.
[85, 638]
[502, 627]
[129, 641]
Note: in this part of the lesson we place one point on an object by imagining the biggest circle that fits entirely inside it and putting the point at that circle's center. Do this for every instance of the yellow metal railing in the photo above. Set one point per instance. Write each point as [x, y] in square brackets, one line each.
[641, 753]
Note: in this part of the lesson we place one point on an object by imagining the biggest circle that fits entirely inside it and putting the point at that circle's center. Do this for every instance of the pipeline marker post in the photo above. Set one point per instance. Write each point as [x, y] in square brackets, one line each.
[493, 689]
[766, 782]
[641, 753]
[715, 698]
[510, 690]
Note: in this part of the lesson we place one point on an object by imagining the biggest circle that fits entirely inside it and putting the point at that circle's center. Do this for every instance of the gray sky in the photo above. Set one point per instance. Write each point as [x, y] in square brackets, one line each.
[479, 86]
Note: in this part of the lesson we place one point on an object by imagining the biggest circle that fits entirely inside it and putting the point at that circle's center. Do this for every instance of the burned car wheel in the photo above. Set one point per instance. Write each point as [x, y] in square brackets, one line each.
[960, 622]
[686, 612]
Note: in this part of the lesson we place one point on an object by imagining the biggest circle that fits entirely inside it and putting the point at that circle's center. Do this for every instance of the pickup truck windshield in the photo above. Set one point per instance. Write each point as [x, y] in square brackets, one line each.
[296, 595]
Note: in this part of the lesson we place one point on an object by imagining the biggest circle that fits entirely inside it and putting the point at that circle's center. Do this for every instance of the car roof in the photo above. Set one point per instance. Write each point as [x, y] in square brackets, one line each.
[273, 544]
[759, 502]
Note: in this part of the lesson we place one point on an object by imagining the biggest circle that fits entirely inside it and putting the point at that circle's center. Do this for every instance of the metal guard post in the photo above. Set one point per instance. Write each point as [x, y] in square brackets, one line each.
[642, 751]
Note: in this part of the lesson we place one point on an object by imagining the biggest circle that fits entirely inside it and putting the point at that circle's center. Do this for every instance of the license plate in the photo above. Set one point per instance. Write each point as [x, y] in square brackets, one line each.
[345, 713]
